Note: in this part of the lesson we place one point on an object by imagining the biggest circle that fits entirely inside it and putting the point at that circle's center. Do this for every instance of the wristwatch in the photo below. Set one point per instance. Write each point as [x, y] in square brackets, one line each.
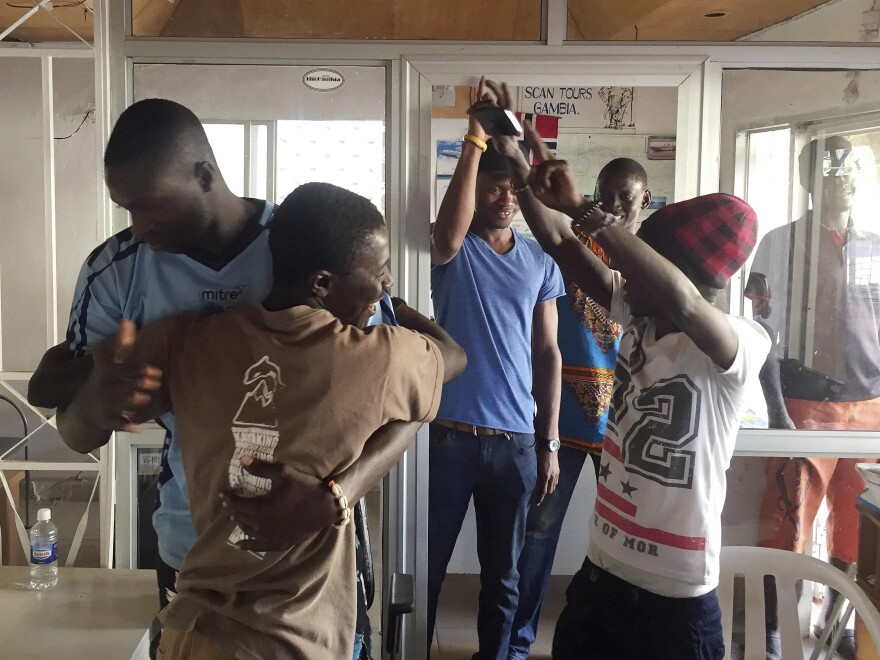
[549, 445]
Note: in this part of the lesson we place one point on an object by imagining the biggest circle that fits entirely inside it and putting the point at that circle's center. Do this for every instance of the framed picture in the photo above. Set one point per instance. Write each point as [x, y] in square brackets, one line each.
[661, 148]
[657, 202]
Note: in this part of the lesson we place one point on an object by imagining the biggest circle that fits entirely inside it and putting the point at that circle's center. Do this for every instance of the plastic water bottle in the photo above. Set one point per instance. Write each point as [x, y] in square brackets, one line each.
[44, 552]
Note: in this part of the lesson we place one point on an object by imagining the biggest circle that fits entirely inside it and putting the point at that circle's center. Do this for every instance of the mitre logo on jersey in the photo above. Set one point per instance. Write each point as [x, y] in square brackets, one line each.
[219, 296]
[255, 430]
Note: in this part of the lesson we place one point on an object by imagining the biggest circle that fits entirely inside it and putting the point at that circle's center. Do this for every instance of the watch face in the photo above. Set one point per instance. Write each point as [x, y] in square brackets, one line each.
[552, 445]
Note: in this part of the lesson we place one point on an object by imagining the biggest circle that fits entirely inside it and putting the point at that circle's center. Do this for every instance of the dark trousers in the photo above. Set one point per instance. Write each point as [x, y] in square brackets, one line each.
[166, 579]
[500, 473]
[543, 527]
[606, 617]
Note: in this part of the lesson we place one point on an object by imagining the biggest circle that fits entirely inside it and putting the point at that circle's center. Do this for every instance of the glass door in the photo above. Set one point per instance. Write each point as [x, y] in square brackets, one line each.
[807, 161]
[617, 111]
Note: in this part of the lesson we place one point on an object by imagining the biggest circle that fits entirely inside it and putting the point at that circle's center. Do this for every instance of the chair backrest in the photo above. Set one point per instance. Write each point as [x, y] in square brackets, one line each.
[787, 568]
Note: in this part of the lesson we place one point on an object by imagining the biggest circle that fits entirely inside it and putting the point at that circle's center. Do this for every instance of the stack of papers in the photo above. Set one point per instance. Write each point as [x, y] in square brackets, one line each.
[870, 473]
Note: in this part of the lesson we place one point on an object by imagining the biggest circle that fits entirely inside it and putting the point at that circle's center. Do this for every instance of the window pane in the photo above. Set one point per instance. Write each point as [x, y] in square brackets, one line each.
[488, 20]
[814, 279]
[350, 154]
[814, 284]
[259, 163]
[227, 142]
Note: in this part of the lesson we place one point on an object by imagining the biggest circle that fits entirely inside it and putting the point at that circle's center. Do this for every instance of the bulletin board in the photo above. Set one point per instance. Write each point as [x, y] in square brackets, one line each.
[587, 154]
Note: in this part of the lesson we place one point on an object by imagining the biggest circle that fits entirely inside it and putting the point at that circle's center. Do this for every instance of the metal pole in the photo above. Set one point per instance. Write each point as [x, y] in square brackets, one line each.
[49, 201]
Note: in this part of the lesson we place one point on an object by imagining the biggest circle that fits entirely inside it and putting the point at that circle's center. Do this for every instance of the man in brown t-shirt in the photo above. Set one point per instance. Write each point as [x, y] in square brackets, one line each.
[294, 381]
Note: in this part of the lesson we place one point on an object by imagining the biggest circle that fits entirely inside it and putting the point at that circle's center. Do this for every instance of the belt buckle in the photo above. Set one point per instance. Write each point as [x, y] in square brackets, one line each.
[474, 426]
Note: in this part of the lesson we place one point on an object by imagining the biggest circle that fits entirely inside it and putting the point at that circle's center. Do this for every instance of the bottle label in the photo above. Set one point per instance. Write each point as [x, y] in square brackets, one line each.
[44, 555]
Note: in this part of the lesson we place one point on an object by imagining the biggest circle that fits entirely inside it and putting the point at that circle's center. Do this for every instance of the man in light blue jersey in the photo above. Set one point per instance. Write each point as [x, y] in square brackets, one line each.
[193, 245]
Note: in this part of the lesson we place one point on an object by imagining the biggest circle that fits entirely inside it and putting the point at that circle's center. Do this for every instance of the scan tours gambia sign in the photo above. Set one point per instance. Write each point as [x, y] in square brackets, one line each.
[583, 107]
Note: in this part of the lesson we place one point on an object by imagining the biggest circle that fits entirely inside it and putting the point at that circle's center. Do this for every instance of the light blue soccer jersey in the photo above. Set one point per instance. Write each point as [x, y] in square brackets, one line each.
[125, 279]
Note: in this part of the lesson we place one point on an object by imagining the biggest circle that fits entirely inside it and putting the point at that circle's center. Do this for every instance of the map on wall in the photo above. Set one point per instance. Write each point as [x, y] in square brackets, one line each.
[587, 154]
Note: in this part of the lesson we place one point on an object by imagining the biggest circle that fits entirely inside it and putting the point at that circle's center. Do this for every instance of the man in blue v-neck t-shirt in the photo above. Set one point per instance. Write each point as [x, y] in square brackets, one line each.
[494, 291]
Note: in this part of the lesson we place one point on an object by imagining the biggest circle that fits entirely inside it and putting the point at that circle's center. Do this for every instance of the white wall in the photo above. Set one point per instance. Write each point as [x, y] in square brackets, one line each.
[262, 92]
[23, 281]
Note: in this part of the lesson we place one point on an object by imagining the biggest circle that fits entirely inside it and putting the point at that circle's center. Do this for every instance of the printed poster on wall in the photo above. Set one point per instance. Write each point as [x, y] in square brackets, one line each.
[596, 108]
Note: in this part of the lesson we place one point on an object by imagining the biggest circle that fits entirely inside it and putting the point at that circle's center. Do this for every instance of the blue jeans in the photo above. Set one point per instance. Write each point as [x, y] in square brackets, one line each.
[358, 645]
[606, 617]
[500, 473]
[536, 561]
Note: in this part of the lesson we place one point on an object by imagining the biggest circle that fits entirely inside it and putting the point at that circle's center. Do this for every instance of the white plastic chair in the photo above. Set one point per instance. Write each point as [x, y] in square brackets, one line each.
[787, 567]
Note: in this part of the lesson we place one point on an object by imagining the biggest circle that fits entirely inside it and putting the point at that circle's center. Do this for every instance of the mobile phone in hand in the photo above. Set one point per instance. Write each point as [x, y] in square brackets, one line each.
[497, 121]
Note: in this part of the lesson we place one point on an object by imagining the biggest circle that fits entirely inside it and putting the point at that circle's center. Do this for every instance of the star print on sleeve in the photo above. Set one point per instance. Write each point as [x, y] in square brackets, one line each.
[627, 488]
[605, 471]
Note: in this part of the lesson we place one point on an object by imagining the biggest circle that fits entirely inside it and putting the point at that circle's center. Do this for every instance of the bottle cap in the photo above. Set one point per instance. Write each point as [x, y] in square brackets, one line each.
[44, 515]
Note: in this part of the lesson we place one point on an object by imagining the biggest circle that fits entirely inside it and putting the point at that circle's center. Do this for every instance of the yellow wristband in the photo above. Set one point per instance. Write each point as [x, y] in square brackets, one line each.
[477, 141]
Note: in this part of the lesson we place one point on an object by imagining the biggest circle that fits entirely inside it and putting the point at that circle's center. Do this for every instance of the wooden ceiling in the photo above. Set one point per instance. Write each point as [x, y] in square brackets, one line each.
[471, 20]
[45, 27]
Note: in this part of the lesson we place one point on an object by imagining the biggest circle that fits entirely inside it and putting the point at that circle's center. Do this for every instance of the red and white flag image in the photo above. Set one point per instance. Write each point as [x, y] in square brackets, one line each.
[547, 127]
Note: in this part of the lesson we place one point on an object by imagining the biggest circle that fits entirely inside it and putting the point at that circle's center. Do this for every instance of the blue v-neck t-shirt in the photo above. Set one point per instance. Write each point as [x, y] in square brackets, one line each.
[486, 301]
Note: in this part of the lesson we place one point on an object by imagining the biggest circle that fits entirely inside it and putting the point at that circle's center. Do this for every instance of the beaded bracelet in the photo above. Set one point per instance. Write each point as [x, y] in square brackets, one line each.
[342, 503]
[608, 220]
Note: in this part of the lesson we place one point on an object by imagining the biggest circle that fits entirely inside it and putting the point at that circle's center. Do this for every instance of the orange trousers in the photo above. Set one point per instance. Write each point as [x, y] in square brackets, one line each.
[796, 486]
[189, 645]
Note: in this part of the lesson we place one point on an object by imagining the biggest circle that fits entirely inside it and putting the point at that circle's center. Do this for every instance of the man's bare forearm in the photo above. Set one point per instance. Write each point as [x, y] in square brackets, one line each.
[457, 208]
[547, 369]
[381, 452]
[771, 385]
[58, 377]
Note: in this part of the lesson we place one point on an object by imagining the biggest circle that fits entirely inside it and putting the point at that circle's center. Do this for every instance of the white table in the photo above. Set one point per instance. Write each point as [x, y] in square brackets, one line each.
[92, 613]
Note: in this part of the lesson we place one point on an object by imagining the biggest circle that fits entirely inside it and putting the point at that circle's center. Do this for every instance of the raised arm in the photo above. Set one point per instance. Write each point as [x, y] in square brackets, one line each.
[551, 229]
[457, 208]
[671, 295]
[662, 287]
[58, 377]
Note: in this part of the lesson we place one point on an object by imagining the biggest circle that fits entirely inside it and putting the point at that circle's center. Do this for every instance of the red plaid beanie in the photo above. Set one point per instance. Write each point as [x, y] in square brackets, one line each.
[711, 235]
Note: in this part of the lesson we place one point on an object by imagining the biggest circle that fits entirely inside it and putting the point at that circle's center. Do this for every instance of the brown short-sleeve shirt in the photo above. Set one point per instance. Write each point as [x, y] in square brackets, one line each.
[298, 387]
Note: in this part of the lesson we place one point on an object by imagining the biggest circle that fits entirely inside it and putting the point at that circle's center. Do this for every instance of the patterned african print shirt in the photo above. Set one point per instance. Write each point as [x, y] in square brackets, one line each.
[588, 340]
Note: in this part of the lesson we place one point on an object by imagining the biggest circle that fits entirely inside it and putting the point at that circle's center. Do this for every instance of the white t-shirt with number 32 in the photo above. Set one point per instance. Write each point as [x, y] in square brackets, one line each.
[671, 433]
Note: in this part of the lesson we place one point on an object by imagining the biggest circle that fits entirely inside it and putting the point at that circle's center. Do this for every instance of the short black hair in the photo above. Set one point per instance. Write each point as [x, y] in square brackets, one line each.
[155, 128]
[625, 166]
[493, 161]
[319, 226]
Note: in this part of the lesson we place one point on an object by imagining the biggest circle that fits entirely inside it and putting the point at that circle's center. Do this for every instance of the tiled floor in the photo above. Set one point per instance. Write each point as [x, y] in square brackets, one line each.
[456, 634]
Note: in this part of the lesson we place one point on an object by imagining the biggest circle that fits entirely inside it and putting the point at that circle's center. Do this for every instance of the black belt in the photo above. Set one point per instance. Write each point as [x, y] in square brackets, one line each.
[473, 429]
